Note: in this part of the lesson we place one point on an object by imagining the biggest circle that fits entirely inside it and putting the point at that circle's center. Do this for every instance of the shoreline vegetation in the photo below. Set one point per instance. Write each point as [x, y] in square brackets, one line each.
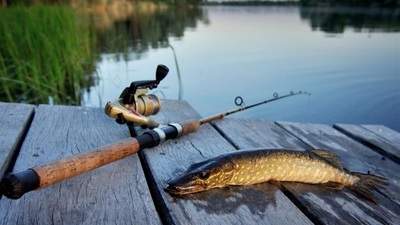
[56, 63]
[96, 4]
[45, 64]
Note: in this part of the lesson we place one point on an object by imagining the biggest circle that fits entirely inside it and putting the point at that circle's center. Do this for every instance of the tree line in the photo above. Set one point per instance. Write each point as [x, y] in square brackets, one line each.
[365, 3]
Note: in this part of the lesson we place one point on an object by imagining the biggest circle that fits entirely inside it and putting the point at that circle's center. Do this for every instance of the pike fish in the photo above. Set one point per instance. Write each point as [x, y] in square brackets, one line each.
[246, 167]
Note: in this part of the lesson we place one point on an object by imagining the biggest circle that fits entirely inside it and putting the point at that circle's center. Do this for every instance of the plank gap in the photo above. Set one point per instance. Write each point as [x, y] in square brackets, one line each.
[19, 143]
[301, 206]
[222, 133]
[161, 208]
[293, 134]
[368, 144]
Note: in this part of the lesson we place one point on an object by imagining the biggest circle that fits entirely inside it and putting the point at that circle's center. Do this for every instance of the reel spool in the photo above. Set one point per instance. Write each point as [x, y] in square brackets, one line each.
[134, 104]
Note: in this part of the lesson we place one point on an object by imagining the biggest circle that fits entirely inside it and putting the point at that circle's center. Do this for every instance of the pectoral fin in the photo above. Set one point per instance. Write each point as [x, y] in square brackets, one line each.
[333, 185]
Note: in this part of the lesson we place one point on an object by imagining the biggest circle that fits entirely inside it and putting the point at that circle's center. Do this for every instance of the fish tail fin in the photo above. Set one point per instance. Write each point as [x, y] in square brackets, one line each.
[366, 185]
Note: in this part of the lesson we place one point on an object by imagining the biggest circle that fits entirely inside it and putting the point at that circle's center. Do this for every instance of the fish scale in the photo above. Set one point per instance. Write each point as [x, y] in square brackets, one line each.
[282, 166]
[313, 166]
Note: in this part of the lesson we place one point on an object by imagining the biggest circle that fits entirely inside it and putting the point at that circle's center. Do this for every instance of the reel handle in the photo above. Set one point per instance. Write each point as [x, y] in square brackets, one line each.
[128, 95]
[161, 72]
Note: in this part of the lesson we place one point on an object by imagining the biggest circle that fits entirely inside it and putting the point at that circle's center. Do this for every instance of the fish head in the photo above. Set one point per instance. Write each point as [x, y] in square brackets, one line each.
[202, 176]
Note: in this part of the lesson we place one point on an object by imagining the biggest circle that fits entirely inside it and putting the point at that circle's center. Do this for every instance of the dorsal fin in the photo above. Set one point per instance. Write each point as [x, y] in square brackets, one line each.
[327, 156]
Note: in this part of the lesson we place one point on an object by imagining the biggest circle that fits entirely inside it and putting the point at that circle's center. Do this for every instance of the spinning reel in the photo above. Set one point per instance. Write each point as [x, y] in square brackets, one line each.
[134, 104]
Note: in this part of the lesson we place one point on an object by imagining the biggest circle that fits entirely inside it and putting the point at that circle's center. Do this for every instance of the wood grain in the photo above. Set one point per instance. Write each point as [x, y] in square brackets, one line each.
[14, 123]
[383, 131]
[356, 157]
[378, 138]
[263, 204]
[116, 193]
[84, 162]
[323, 206]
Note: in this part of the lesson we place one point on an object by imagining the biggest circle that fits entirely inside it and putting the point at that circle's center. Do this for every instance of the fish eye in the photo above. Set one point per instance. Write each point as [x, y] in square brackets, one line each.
[204, 175]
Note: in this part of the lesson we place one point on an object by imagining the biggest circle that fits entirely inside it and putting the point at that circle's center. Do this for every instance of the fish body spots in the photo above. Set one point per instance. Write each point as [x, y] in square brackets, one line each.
[256, 166]
[261, 166]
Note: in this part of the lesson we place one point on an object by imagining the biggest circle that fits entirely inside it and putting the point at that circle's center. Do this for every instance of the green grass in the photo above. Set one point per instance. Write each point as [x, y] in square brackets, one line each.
[45, 51]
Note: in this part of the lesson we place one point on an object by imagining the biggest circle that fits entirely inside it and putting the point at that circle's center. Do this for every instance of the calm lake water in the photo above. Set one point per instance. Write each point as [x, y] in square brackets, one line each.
[348, 59]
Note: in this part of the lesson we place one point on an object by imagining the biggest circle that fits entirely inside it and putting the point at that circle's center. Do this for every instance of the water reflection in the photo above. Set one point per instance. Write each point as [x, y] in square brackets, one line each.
[337, 20]
[146, 26]
[131, 31]
[252, 51]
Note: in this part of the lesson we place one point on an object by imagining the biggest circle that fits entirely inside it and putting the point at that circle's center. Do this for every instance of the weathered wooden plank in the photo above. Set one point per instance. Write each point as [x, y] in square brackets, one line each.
[116, 193]
[14, 123]
[383, 131]
[379, 138]
[264, 204]
[324, 206]
[355, 157]
[251, 133]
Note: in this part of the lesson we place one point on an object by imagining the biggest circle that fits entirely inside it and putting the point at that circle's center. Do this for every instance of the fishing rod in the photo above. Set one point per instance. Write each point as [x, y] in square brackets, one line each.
[15, 185]
[241, 103]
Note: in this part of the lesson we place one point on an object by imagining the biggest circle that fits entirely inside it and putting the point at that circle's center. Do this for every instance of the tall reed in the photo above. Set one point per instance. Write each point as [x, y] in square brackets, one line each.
[45, 52]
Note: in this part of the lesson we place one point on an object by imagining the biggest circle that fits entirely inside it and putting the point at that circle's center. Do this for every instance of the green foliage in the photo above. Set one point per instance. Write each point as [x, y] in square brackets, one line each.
[44, 52]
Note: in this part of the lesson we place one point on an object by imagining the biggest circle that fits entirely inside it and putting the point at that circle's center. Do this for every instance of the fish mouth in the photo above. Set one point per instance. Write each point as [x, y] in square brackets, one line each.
[183, 190]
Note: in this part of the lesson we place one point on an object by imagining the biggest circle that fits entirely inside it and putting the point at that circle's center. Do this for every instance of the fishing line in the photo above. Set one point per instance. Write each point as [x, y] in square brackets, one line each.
[177, 72]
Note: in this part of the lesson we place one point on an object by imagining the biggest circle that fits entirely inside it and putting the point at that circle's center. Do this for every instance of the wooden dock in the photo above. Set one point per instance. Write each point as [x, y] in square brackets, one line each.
[130, 191]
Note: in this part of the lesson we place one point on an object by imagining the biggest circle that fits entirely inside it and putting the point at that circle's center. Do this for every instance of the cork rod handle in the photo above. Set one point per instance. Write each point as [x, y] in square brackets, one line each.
[15, 185]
